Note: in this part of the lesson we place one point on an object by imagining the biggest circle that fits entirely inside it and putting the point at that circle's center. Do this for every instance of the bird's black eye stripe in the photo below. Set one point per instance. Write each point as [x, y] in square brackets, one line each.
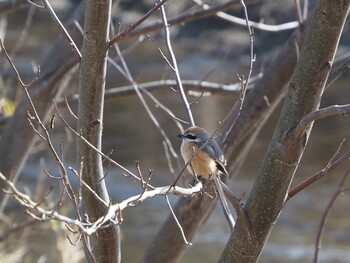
[191, 136]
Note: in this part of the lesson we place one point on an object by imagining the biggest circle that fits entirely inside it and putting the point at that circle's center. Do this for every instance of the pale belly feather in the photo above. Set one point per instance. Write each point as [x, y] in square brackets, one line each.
[202, 164]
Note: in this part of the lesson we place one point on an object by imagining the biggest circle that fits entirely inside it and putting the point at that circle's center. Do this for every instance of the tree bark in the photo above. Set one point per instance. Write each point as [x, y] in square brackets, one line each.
[90, 115]
[276, 172]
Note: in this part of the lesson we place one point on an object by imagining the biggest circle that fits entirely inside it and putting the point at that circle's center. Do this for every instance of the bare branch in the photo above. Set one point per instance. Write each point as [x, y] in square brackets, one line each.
[190, 85]
[164, 108]
[317, 176]
[243, 22]
[45, 136]
[18, 76]
[35, 4]
[94, 148]
[232, 116]
[168, 158]
[164, 190]
[298, 11]
[62, 28]
[143, 182]
[320, 114]
[82, 183]
[121, 35]
[177, 222]
[166, 60]
[126, 72]
[305, 9]
[27, 202]
[339, 191]
[90, 228]
[174, 65]
[186, 17]
[335, 74]
[69, 108]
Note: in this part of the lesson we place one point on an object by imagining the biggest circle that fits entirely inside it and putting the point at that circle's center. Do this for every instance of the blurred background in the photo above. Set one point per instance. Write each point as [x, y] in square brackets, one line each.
[209, 49]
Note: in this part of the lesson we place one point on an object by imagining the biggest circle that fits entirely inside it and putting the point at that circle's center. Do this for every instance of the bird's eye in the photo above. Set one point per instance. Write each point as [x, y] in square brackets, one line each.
[191, 136]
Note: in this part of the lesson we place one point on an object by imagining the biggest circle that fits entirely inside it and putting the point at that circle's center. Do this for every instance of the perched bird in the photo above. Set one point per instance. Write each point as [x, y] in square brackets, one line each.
[206, 162]
[208, 159]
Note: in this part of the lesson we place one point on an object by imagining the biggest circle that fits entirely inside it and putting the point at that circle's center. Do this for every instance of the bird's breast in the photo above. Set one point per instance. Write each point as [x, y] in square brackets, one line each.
[202, 164]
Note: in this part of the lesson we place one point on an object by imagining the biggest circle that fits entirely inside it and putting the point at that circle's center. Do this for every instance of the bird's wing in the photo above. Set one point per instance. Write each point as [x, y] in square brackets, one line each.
[214, 151]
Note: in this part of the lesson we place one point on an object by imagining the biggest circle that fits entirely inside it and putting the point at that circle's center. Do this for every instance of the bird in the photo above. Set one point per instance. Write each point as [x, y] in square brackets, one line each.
[203, 152]
[206, 162]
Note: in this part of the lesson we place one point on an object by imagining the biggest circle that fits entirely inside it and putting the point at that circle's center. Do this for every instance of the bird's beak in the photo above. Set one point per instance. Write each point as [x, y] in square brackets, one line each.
[180, 135]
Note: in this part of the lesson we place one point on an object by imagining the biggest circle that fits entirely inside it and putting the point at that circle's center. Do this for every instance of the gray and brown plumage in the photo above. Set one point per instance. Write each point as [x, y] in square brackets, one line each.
[209, 159]
[206, 161]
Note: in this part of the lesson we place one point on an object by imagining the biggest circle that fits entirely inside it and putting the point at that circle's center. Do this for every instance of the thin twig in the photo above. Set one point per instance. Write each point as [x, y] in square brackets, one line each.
[305, 9]
[317, 176]
[251, 40]
[121, 35]
[177, 222]
[335, 74]
[82, 183]
[166, 60]
[79, 207]
[126, 72]
[35, 4]
[174, 64]
[189, 85]
[164, 108]
[339, 191]
[46, 134]
[27, 202]
[336, 153]
[168, 158]
[243, 22]
[320, 114]
[212, 10]
[62, 28]
[143, 182]
[70, 109]
[93, 147]
[90, 228]
[298, 11]
[18, 76]
[232, 116]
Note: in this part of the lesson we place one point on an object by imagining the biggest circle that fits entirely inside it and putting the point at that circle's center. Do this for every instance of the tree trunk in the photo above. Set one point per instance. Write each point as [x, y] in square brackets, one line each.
[276, 172]
[91, 100]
